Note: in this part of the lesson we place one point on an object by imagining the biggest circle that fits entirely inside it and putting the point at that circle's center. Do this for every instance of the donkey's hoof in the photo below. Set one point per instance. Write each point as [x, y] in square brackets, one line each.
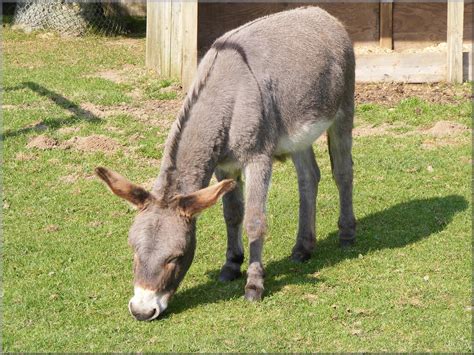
[253, 294]
[229, 274]
[300, 256]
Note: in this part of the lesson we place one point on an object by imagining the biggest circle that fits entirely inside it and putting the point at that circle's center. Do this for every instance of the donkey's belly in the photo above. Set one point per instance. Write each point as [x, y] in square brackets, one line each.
[302, 137]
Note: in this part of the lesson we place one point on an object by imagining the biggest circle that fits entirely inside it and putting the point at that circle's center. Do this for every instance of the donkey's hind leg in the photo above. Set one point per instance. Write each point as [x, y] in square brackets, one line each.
[308, 180]
[340, 151]
[233, 202]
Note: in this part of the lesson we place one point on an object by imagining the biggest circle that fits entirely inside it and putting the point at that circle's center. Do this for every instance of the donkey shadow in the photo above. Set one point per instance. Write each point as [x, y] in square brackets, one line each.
[395, 227]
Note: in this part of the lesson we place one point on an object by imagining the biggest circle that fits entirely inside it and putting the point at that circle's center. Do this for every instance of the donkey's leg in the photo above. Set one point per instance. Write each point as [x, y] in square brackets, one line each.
[257, 181]
[340, 147]
[234, 214]
[308, 179]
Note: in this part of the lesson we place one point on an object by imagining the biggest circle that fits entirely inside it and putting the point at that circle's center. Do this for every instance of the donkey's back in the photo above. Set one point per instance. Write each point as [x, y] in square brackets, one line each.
[286, 77]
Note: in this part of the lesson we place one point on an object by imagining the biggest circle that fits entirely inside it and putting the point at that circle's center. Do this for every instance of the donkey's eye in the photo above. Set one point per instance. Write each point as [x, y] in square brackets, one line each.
[173, 259]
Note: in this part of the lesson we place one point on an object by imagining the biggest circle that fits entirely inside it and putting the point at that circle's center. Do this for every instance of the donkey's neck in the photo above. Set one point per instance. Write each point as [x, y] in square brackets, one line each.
[194, 146]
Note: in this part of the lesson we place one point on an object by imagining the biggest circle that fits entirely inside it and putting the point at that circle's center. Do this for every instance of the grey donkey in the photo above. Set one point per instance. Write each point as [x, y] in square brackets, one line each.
[265, 90]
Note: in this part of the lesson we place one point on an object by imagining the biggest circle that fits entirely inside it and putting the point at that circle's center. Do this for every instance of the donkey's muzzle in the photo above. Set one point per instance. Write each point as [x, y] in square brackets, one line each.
[143, 315]
[147, 304]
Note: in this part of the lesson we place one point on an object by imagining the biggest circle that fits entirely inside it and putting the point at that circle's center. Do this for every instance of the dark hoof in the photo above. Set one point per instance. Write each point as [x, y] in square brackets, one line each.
[300, 256]
[253, 294]
[229, 274]
[346, 243]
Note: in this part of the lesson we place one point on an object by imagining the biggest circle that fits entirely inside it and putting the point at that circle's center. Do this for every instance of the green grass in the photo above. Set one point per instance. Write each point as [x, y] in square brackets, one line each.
[405, 286]
[416, 112]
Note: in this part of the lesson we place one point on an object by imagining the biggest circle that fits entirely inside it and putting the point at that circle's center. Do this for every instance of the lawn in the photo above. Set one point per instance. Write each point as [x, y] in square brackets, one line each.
[71, 104]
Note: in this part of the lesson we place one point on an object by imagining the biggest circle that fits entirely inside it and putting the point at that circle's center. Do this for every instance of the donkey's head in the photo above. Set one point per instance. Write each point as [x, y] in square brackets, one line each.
[163, 239]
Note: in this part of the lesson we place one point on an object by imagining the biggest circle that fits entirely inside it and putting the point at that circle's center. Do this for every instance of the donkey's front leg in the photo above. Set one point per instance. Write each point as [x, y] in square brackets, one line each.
[308, 179]
[257, 181]
[233, 202]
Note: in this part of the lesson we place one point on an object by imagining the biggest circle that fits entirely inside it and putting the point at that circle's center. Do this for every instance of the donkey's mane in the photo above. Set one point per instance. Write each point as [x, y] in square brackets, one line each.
[198, 85]
[172, 145]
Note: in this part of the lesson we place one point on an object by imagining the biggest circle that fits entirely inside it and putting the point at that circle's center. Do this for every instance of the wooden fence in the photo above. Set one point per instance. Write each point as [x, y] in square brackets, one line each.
[180, 31]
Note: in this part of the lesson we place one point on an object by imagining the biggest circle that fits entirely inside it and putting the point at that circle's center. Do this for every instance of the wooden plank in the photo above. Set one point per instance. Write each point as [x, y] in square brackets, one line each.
[386, 24]
[401, 67]
[176, 44]
[190, 42]
[418, 25]
[455, 37]
[153, 36]
[468, 23]
[166, 26]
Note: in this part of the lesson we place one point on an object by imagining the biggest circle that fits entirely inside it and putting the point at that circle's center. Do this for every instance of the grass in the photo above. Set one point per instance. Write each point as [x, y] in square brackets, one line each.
[405, 286]
[416, 112]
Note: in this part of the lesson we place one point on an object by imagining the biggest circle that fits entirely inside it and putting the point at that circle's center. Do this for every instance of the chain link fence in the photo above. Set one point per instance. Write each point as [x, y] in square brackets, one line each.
[74, 18]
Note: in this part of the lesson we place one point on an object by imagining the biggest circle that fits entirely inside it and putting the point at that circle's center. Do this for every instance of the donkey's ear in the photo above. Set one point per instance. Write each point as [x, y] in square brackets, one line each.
[123, 188]
[192, 204]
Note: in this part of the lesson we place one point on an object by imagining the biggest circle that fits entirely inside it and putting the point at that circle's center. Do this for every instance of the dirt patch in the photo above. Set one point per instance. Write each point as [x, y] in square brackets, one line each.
[94, 110]
[446, 128]
[171, 107]
[126, 42]
[93, 143]
[42, 142]
[390, 94]
[68, 130]
[24, 156]
[135, 94]
[367, 131]
[75, 176]
[127, 74]
[430, 144]
[51, 228]
[155, 112]
[9, 107]
[69, 179]
[112, 75]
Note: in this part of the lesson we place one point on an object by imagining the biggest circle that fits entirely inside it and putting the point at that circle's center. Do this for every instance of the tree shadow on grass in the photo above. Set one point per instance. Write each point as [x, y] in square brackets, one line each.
[79, 114]
[395, 227]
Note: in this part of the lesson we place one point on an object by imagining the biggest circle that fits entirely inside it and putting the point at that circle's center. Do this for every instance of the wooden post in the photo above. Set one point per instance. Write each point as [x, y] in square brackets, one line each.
[386, 24]
[153, 36]
[455, 37]
[190, 42]
[171, 39]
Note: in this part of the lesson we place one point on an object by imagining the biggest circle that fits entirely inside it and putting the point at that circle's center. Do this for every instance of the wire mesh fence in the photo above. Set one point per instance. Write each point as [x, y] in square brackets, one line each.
[75, 18]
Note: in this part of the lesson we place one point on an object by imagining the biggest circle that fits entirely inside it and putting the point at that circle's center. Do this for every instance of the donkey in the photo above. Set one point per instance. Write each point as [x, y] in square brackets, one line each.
[265, 90]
